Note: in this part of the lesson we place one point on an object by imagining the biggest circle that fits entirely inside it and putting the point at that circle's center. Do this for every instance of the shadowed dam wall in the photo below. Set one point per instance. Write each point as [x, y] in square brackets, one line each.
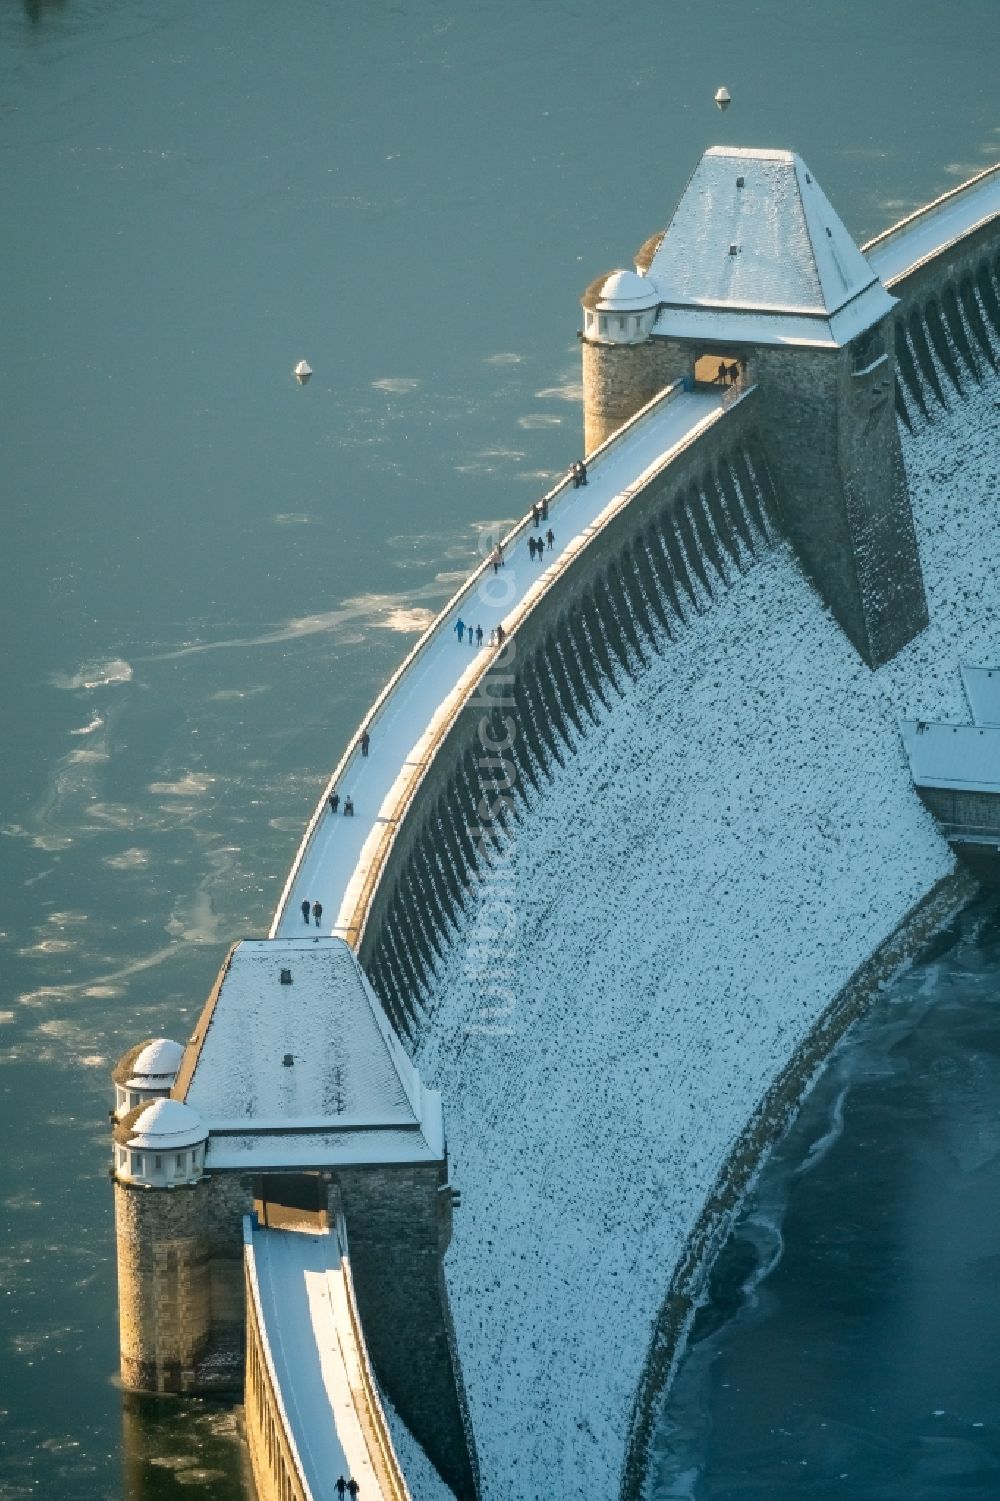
[612, 603]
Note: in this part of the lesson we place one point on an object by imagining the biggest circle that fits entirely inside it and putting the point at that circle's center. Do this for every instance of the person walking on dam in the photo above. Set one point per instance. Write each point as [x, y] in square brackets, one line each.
[317, 911]
[305, 909]
[536, 514]
[460, 628]
[479, 635]
[550, 538]
[348, 807]
[334, 801]
[366, 741]
[341, 1487]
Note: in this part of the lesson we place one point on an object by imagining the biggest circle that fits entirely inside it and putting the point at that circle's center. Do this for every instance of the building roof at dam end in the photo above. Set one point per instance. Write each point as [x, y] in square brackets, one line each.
[754, 235]
[298, 1066]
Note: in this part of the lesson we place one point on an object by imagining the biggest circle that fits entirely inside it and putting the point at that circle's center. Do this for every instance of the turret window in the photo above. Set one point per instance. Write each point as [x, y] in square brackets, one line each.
[158, 1163]
[137, 1162]
[179, 1162]
[603, 324]
[590, 320]
[623, 325]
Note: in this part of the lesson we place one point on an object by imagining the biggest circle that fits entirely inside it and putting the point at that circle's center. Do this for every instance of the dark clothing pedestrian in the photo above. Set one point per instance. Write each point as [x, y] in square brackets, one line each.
[582, 471]
[317, 911]
[366, 741]
[479, 635]
[531, 546]
[341, 1487]
[574, 474]
[723, 374]
[535, 515]
[501, 635]
[353, 1488]
[305, 909]
[550, 538]
[545, 509]
[334, 801]
[460, 628]
[734, 374]
[348, 808]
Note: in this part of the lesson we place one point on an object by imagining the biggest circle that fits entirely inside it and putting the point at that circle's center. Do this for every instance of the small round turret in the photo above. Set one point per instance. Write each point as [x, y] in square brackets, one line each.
[619, 308]
[622, 363]
[159, 1144]
[146, 1072]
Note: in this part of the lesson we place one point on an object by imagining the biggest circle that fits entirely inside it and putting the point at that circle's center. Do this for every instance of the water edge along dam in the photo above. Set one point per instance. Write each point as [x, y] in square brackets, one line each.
[609, 890]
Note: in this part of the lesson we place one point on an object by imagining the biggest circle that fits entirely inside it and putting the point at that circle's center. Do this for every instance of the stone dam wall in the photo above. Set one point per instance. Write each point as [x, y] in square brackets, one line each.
[668, 550]
[623, 596]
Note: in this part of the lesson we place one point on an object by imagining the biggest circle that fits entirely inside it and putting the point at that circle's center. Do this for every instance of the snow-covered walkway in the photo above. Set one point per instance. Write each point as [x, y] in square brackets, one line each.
[935, 227]
[303, 1306]
[330, 858]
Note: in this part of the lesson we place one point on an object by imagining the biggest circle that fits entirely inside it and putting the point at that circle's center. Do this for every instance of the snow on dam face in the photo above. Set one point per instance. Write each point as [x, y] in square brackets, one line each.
[710, 841]
[670, 912]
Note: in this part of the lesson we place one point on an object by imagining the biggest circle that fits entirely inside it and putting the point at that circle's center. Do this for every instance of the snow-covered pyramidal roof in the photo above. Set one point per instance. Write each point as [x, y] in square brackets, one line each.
[755, 251]
[294, 1063]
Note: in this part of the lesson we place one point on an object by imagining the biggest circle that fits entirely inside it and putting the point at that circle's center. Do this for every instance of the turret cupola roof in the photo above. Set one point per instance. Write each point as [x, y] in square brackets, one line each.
[620, 291]
[155, 1062]
[161, 1125]
[755, 235]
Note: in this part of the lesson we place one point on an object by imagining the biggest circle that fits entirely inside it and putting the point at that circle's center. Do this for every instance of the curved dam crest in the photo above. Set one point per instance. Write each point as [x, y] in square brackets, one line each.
[760, 696]
[643, 863]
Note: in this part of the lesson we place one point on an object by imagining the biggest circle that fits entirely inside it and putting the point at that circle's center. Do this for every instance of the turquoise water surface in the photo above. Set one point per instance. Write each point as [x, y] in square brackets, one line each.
[210, 570]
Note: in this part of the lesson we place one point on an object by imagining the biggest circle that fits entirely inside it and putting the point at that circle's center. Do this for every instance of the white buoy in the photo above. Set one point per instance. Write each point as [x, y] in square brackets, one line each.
[723, 98]
[302, 372]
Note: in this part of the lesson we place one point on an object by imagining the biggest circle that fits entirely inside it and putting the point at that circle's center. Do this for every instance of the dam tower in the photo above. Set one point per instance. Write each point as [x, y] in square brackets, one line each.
[756, 282]
[293, 1107]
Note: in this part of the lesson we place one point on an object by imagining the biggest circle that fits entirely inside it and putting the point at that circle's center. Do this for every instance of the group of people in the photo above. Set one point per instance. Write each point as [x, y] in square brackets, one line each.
[578, 474]
[536, 545]
[728, 374]
[475, 634]
[316, 908]
[350, 1486]
[334, 797]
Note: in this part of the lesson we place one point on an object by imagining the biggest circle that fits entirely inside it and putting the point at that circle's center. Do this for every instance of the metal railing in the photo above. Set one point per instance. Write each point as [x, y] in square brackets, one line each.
[980, 833]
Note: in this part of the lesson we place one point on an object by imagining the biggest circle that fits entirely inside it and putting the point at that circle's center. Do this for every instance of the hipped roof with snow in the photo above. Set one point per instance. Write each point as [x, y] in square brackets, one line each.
[293, 1063]
[755, 251]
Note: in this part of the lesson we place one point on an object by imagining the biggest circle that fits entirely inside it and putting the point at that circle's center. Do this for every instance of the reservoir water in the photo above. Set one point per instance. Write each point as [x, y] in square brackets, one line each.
[847, 1346]
[210, 570]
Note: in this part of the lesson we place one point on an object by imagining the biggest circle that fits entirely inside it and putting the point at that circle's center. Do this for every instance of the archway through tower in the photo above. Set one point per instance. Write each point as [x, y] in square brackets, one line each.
[717, 367]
